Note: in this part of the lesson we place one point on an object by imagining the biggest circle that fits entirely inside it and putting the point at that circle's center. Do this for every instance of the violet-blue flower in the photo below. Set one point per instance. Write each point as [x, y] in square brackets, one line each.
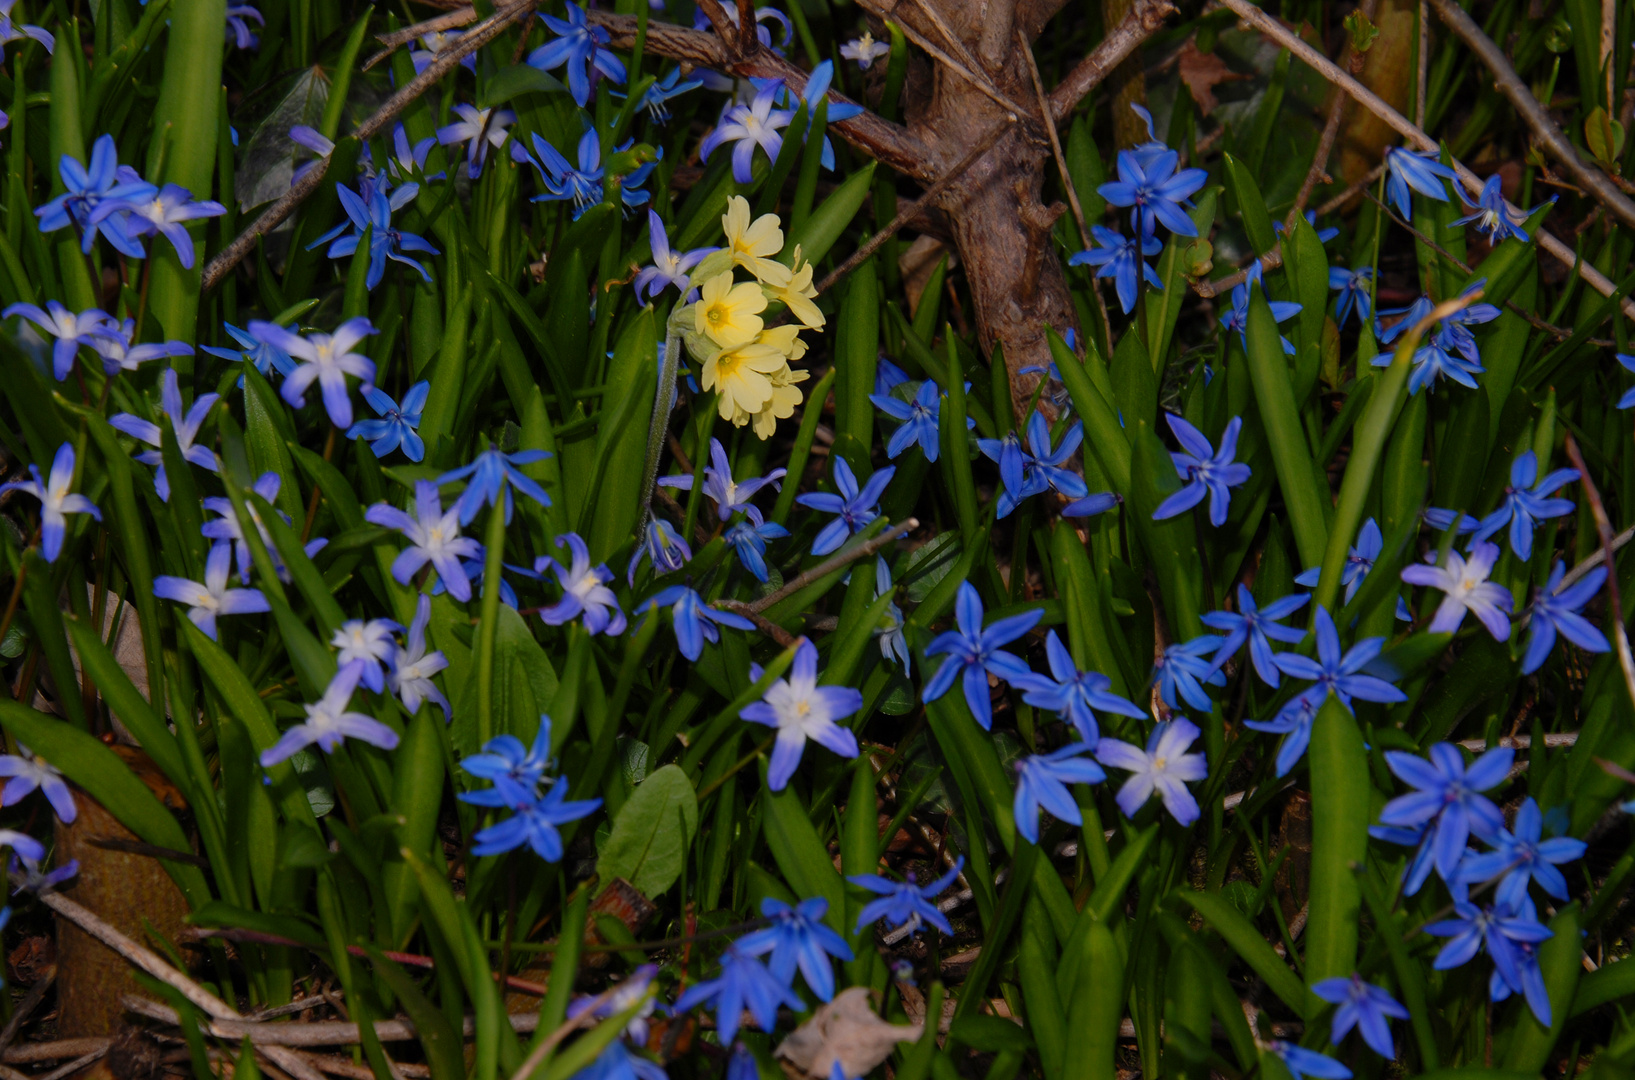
[329, 723]
[265, 356]
[669, 267]
[695, 622]
[582, 48]
[744, 983]
[748, 540]
[1041, 781]
[581, 186]
[1418, 170]
[1302, 1063]
[491, 476]
[369, 644]
[1183, 669]
[1491, 214]
[919, 418]
[1257, 627]
[663, 547]
[798, 938]
[1467, 589]
[1556, 611]
[854, 508]
[799, 709]
[748, 126]
[397, 423]
[69, 330]
[1527, 502]
[905, 903]
[211, 598]
[1072, 694]
[1337, 672]
[185, 425]
[1237, 319]
[434, 537]
[1448, 794]
[1122, 259]
[159, 212]
[1522, 855]
[56, 500]
[516, 773]
[585, 595]
[1162, 767]
[1359, 561]
[974, 652]
[1354, 289]
[373, 215]
[412, 666]
[27, 773]
[86, 186]
[1294, 722]
[326, 359]
[1363, 1006]
[478, 129]
[1149, 184]
[1204, 470]
[535, 824]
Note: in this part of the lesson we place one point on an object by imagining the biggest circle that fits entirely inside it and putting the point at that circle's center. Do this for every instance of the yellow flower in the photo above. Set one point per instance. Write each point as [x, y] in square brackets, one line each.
[751, 244]
[781, 405]
[742, 377]
[785, 338]
[796, 293]
[729, 314]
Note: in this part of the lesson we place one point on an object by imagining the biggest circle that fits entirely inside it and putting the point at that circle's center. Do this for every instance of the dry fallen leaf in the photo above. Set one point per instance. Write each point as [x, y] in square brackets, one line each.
[846, 1029]
[1202, 72]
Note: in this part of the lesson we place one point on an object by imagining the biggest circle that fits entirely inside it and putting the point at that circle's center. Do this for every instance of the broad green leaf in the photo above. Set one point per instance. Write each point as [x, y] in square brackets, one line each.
[524, 682]
[651, 833]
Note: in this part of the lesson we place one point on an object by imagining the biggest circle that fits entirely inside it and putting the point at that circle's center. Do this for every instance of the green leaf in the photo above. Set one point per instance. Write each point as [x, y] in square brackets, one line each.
[1248, 943]
[801, 856]
[818, 233]
[514, 81]
[1339, 828]
[1280, 415]
[524, 682]
[1257, 222]
[651, 833]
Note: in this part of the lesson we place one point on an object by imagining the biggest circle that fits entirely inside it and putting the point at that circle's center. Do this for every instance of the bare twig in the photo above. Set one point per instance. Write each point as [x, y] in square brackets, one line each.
[1589, 179]
[1589, 564]
[833, 563]
[56, 1050]
[274, 1038]
[1331, 129]
[1604, 527]
[396, 39]
[25, 1008]
[1404, 127]
[74, 1066]
[1055, 137]
[474, 39]
[766, 626]
[1145, 18]
[986, 87]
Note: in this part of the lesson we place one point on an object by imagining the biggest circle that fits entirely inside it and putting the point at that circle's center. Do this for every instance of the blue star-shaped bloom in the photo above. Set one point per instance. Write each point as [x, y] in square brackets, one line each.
[266, 356]
[535, 824]
[1041, 781]
[581, 186]
[374, 216]
[1032, 468]
[1184, 669]
[974, 652]
[1557, 612]
[397, 424]
[744, 983]
[748, 539]
[798, 938]
[1526, 503]
[517, 772]
[669, 267]
[1257, 627]
[656, 99]
[1492, 215]
[85, 186]
[905, 902]
[695, 622]
[491, 477]
[1358, 562]
[920, 418]
[1363, 1006]
[1149, 184]
[583, 48]
[748, 126]
[1072, 694]
[854, 508]
[1449, 795]
[1418, 170]
[1238, 318]
[1340, 673]
[1204, 470]
[1294, 720]
[1521, 856]
[1302, 1063]
[663, 547]
[1353, 287]
[1122, 259]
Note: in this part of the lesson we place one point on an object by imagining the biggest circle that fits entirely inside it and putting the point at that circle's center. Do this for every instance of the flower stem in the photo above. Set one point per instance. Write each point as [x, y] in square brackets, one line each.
[487, 627]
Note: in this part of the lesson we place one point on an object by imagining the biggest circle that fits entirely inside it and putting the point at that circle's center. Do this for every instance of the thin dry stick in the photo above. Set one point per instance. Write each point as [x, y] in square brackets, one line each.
[1363, 184]
[275, 1038]
[987, 88]
[1331, 130]
[833, 563]
[56, 1050]
[1604, 527]
[766, 626]
[549, 1043]
[1373, 103]
[1422, 57]
[74, 1066]
[1055, 139]
[446, 61]
[25, 1008]
[398, 38]
[1589, 179]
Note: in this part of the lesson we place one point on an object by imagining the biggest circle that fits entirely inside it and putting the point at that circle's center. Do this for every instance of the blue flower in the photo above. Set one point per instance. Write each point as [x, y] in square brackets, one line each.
[1072, 694]
[211, 598]
[27, 876]
[744, 983]
[920, 418]
[1293, 720]
[1628, 400]
[583, 48]
[434, 43]
[517, 773]
[1418, 870]
[748, 539]
[582, 186]
[888, 375]
[1302, 1063]
[409, 162]
[1091, 505]
[1354, 289]
[817, 90]
[368, 643]
[374, 216]
[1041, 781]
[1037, 468]
[906, 902]
[114, 344]
[158, 212]
[663, 547]
[1204, 470]
[27, 773]
[695, 622]
[749, 126]
[1526, 503]
[974, 653]
[1464, 581]
[1419, 170]
[1148, 182]
[1123, 260]
[412, 666]
[86, 187]
[70, 330]
[329, 724]
[798, 938]
[1258, 628]
[799, 709]
[1358, 562]
[853, 508]
[1363, 1006]
[1340, 673]
[656, 99]
[10, 31]
[325, 358]
[1435, 357]
[617, 1062]
[434, 537]
[1557, 611]
[479, 129]
[492, 475]
[266, 356]
[535, 824]
[1441, 520]
[1163, 767]
[56, 500]
[1522, 856]
[669, 267]
[1511, 936]
[893, 642]
[1492, 215]
[238, 25]
[1448, 794]
[397, 424]
[1238, 318]
[22, 844]
[1182, 669]
[585, 595]
[226, 527]
[731, 496]
[185, 426]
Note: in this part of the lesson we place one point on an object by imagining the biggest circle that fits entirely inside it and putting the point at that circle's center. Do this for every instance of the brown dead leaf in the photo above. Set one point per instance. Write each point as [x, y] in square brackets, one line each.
[846, 1030]
[1202, 72]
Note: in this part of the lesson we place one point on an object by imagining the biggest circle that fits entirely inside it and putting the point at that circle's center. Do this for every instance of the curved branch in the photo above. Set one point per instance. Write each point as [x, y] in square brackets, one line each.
[1144, 20]
[1587, 176]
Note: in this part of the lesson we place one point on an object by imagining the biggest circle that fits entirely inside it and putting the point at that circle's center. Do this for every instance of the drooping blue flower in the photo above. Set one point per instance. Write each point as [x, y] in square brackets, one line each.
[1493, 215]
[1124, 259]
[1447, 349]
[22, 844]
[397, 424]
[919, 417]
[1149, 184]
[748, 126]
[669, 267]
[888, 375]
[10, 31]
[56, 500]
[86, 187]
[412, 666]
[238, 25]
[1258, 627]
[212, 597]
[1091, 505]
[1522, 855]
[815, 94]
[1302, 1063]
[1354, 287]
[70, 330]
[748, 540]
[535, 824]
[854, 508]
[585, 595]
[1072, 694]
[1204, 470]
[1363, 1006]
[1628, 400]
[893, 641]
[1358, 562]
[581, 186]
[434, 537]
[491, 476]
[155, 211]
[905, 903]
[1340, 673]
[730, 495]
[975, 652]
[374, 217]
[1526, 503]
[1418, 170]
[619, 1062]
[744, 983]
[1419, 868]
[1041, 781]
[1237, 319]
[329, 723]
[1448, 794]
[1556, 611]
[1162, 767]
[185, 425]
[695, 622]
[1467, 590]
[583, 48]
[266, 356]
[115, 344]
[657, 98]
[516, 773]
[478, 129]
[1183, 669]
[799, 939]
[323, 358]
[663, 547]
[1294, 721]
[27, 877]
[26, 773]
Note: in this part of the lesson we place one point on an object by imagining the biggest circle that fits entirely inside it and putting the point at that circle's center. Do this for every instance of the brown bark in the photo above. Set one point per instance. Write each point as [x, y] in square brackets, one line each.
[1388, 70]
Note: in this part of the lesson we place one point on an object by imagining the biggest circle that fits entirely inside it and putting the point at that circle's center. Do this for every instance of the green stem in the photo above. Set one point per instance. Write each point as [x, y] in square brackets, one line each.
[661, 420]
[493, 557]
